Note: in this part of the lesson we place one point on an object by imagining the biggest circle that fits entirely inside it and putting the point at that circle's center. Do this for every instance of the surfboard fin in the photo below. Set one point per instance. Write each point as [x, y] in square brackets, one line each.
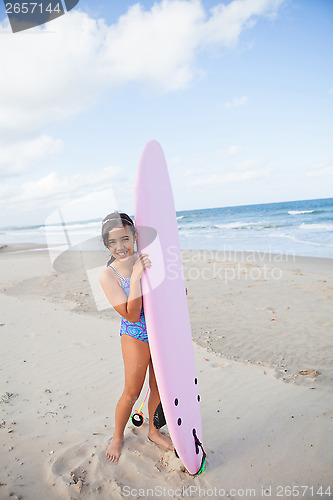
[204, 456]
[202, 468]
[159, 418]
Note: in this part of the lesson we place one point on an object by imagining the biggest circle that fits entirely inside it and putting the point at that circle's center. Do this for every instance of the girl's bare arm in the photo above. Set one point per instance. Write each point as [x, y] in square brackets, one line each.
[128, 307]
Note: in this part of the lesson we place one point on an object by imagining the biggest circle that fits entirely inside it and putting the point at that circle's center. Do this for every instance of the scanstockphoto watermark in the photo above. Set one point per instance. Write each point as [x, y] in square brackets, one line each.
[24, 15]
[227, 265]
[70, 245]
[278, 491]
[271, 255]
[187, 492]
[234, 273]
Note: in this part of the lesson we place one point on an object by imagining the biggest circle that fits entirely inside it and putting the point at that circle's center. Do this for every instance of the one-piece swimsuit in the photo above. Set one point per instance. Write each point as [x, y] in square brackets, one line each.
[137, 330]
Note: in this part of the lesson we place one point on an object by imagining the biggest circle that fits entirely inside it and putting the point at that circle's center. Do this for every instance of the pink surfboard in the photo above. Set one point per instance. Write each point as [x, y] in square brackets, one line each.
[165, 305]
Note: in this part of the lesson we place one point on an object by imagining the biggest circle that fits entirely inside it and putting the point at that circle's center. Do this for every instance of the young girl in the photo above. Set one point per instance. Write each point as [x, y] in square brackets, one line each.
[121, 284]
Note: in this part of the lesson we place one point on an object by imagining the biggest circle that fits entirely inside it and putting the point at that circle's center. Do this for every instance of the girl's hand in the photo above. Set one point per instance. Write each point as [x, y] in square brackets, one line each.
[140, 265]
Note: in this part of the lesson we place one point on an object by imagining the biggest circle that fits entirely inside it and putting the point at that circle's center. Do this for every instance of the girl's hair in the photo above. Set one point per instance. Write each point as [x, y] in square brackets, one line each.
[111, 221]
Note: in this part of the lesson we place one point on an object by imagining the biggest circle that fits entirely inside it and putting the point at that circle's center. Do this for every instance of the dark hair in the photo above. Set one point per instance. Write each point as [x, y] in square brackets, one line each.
[111, 221]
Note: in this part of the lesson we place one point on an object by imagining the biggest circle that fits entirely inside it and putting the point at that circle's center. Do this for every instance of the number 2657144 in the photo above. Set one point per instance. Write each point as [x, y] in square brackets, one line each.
[31, 7]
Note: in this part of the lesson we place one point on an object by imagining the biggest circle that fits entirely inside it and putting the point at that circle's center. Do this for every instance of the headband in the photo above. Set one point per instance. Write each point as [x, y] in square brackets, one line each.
[116, 218]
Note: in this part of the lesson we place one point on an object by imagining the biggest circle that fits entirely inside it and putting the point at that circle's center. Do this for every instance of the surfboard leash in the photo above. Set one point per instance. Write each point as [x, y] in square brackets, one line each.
[204, 455]
[137, 416]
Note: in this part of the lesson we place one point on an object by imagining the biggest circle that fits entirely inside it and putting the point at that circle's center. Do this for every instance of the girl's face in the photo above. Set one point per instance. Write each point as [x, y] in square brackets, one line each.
[121, 242]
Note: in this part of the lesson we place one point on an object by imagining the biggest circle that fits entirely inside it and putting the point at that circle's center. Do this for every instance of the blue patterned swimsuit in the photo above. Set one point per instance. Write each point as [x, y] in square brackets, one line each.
[137, 330]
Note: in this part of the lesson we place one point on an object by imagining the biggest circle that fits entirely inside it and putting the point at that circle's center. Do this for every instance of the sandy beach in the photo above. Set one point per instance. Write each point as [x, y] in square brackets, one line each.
[263, 341]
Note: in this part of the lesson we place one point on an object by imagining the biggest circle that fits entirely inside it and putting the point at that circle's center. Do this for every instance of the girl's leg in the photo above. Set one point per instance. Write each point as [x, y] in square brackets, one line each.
[153, 402]
[136, 357]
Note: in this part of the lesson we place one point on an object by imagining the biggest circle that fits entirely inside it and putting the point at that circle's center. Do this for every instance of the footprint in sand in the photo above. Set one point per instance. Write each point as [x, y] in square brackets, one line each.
[79, 344]
[221, 365]
[81, 470]
[313, 373]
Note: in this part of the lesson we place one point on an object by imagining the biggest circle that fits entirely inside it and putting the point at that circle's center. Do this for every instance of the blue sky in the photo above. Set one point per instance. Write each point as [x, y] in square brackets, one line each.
[238, 93]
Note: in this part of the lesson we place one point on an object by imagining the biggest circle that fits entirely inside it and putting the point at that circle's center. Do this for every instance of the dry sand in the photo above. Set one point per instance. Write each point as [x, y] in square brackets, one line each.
[263, 342]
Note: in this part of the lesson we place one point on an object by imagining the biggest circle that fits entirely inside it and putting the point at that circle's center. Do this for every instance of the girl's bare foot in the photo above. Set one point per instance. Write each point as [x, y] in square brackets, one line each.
[114, 449]
[157, 438]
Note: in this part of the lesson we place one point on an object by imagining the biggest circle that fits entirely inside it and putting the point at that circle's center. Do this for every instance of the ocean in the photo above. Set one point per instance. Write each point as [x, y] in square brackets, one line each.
[303, 228]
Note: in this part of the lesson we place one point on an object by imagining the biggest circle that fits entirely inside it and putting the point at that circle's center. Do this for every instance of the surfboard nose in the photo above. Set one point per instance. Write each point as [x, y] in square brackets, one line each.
[152, 152]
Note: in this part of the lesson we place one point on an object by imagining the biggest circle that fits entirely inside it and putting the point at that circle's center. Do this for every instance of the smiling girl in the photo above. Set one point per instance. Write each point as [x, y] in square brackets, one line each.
[121, 283]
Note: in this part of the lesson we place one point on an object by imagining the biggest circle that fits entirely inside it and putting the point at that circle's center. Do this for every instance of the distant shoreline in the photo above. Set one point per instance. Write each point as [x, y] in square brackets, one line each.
[314, 264]
[303, 228]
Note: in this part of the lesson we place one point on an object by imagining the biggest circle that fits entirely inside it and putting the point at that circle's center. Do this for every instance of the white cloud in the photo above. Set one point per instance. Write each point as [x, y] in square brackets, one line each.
[54, 72]
[230, 177]
[50, 77]
[155, 47]
[192, 172]
[228, 21]
[14, 158]
[248, 164]
[321, 169]
[236, 102]
[174, 161]
[53, 189]
[233, 150]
